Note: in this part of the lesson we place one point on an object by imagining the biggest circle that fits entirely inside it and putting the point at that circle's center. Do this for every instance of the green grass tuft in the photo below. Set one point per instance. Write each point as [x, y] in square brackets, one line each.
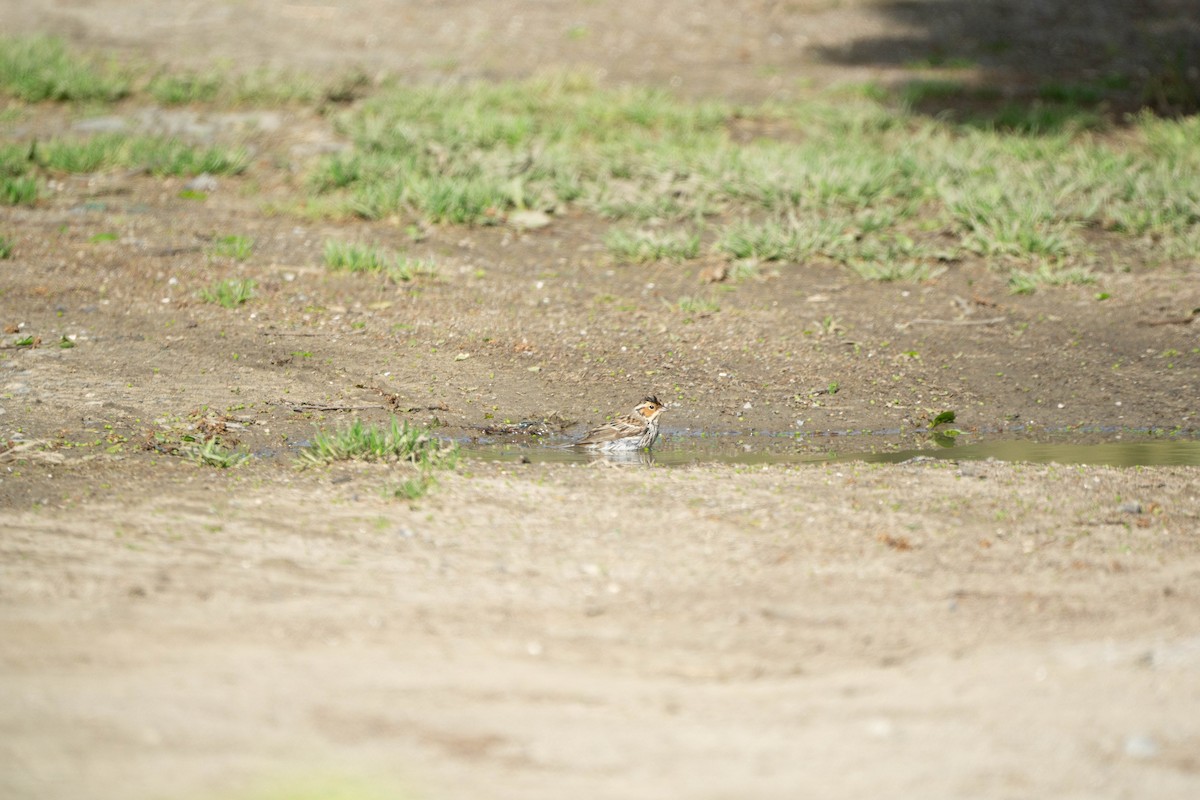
[403, 269]
[186, 88]
[40, 68]
[641, 246]
[238, 248]
[395, 441]
[696, 305]
[215, 454]
[1029, 281]
[346, 257]
[153, 154]
[229, 293]
[6, 249]
[19, 190]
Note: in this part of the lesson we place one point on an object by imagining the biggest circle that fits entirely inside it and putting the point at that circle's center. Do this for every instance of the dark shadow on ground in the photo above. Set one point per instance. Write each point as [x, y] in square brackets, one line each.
[1039, 64]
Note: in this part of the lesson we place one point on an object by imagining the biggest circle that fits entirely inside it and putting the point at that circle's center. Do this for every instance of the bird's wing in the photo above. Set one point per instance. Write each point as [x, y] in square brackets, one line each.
[619, 428]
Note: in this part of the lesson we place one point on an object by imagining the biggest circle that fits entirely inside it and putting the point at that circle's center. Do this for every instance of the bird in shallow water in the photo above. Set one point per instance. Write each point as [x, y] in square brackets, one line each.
[636, 430]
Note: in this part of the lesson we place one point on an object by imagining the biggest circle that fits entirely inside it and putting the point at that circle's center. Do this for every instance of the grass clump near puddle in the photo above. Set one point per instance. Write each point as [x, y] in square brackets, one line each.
[213, 453]
[395, 441]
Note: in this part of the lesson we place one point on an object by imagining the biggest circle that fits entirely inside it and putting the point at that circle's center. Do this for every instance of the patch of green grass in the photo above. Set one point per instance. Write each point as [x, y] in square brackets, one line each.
[640, 207]
[696, 305]
[229, 293]
[185, 88]
[1080, 94]
[102, 238]
[640, 246]
[918, 92]
[40, 68]
[843, 175]
[1040, 118]
[903, 271]
[794, 239]
[471, 154]
[403, 269]
[1029, 281]
[347, 257]
[847, 178]
[267, 87]
[395, 441]
[36, 69]
[238, 248]
[155, 155]
[175, 157]
[941, 61]
[414, 488]
[6, 248]
[215, 454]
[19, 190]
[465, 199]
[1012, 220]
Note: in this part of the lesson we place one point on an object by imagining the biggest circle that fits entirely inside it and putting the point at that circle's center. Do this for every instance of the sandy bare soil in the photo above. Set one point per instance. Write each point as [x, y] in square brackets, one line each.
[982, 630]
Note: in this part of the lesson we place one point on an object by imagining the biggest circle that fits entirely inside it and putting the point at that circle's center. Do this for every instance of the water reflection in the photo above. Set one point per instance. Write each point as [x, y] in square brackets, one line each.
[682, 451]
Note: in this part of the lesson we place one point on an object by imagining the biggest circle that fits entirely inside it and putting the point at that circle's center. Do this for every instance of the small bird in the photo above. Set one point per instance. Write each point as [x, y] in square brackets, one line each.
[634, 431]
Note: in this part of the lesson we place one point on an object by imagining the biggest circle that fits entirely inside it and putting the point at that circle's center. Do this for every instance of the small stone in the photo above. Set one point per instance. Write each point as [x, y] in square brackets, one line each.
[529, 219]
[880, 728]
[1141, 746]
[202, 183]
[1131, 507]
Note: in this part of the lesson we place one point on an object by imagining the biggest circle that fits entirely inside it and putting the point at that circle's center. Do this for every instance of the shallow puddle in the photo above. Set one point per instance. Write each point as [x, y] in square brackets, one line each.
[682, 450]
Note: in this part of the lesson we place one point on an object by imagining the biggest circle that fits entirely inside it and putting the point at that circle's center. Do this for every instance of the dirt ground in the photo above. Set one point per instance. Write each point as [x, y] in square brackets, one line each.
[540, 630]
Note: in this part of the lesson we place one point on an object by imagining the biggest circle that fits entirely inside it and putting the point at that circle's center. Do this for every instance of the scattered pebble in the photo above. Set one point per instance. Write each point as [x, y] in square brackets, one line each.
[529, 219]
[1131, 507]
[881, 728]
[202, 183]
[1141, 746]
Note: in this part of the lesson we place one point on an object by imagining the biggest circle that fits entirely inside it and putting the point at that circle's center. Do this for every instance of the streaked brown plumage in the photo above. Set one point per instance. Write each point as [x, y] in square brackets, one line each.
[634, 431]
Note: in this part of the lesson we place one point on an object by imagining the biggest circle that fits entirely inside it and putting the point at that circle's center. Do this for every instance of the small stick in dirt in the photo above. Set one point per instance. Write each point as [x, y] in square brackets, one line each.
[302, 333]
[992, 321]
[1150, 323]
[174, 251]
[301, 407]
